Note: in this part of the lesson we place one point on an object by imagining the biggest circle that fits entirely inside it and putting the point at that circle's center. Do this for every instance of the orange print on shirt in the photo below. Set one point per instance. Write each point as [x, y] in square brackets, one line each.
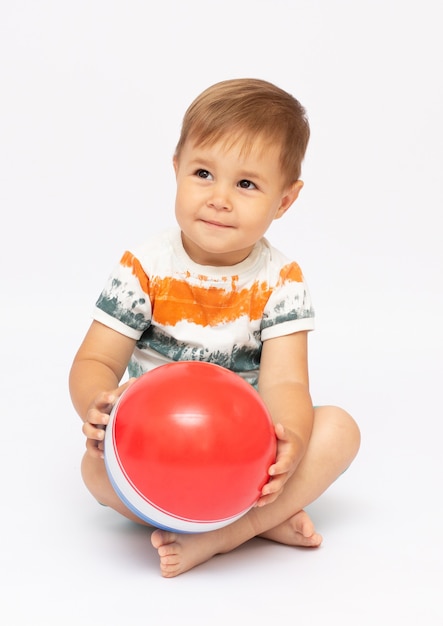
[174, 300]
[129, 260]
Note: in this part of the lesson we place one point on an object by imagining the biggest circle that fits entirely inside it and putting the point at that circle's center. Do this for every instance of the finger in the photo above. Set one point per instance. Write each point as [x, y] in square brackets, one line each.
[92, 431]
[94, 416]
[92, 448]
[105, 401]
[127, 384]
[280, 432]
[283, 466]
[274, 485]
[267, 499]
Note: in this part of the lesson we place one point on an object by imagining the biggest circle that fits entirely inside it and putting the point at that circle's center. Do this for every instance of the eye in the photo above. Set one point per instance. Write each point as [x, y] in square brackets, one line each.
[246, 184]
[203, 174]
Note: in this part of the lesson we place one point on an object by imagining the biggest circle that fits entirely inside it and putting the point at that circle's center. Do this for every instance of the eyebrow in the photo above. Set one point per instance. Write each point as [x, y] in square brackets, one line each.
[252, 175]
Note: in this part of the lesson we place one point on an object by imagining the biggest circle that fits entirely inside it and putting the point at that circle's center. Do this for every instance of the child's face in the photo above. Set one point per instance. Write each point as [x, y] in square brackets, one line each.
[226, 201]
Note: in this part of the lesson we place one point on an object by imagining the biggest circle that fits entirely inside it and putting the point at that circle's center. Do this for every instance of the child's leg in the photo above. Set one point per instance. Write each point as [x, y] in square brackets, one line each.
[96, 479]
[334, 443]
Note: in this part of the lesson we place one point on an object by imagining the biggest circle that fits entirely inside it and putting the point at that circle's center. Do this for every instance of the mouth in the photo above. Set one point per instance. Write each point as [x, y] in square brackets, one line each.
[215, 224]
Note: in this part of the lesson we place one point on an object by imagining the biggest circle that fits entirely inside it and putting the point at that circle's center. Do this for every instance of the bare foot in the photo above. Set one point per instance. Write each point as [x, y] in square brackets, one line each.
[298, 530]
[181, 552]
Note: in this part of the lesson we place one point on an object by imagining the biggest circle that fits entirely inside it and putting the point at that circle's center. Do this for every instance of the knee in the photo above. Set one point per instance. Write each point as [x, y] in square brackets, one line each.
[342, 428]
[349, 430]
[94, 476]
[96, 479]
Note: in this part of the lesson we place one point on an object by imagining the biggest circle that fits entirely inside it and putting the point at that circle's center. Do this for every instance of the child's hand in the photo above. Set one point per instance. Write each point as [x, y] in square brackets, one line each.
[97, 419]
[288, 456]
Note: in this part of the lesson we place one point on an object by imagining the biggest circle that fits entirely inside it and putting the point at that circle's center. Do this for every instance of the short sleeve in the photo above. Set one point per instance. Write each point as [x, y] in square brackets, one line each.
[124, 303]
[289, 308]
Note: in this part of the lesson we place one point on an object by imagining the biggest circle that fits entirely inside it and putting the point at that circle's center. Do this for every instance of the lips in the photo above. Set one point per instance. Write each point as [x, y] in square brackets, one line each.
[215, 224]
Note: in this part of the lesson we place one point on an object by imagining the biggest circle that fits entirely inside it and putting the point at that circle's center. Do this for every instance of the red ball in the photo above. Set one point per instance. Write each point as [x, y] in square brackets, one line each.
[188, 446]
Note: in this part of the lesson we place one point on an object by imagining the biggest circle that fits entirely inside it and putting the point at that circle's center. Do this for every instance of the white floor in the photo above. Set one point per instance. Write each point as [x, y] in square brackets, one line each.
[92, 97]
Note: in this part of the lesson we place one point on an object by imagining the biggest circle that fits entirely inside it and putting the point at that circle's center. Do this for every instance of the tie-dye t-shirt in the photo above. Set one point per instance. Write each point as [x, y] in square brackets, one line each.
[178, 310]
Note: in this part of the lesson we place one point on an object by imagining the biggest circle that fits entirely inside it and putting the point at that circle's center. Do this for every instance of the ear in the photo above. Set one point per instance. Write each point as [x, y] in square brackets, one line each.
[175, 163]
[290, 195]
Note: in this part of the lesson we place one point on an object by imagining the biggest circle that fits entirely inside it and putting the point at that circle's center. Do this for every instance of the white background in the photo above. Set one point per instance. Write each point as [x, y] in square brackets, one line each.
[92, 97]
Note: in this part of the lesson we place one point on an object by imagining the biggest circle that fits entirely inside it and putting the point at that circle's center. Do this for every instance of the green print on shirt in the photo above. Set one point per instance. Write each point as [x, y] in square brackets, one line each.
[113, 307]
[238, 358]
[282, 313]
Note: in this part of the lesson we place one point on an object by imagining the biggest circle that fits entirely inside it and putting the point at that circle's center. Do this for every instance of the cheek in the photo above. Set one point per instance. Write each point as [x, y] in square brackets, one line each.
[179, 212]
[259, 221]
[185, 194]
[180, 199]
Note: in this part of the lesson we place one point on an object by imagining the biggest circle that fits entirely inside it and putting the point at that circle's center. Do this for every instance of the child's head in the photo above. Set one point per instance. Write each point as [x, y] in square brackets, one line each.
[241, 110]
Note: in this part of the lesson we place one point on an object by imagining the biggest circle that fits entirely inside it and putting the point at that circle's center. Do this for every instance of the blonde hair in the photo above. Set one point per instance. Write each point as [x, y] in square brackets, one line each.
[242, 109]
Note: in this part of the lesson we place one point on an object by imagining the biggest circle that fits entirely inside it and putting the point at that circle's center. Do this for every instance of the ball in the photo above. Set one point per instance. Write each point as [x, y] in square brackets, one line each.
[188, 446]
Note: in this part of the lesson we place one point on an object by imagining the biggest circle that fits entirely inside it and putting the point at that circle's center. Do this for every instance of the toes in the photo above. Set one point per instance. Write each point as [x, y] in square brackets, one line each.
[312, 541]
[169, 571]
[302, 524]
[156, 538]
[168, 551]
[170, 559]
[305, 530]
[170, 565]
[161, 538]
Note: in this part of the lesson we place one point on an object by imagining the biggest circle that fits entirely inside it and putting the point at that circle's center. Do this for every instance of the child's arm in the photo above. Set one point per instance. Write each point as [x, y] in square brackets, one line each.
[284, 387]
[94, 379]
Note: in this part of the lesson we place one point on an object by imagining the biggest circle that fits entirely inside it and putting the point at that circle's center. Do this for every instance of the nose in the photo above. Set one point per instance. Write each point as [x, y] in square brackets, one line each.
[219, 198]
